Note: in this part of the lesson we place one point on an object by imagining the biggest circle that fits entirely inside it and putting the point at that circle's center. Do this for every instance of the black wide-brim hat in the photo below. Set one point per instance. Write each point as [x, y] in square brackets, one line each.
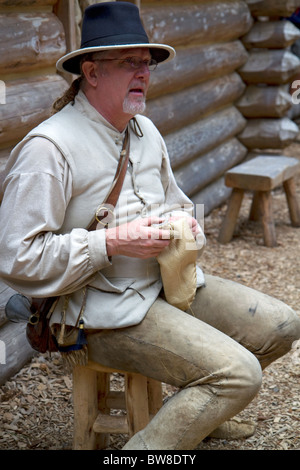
[109, 26]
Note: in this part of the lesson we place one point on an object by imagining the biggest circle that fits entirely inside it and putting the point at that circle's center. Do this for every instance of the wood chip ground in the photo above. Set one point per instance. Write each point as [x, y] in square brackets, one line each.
[36, 404]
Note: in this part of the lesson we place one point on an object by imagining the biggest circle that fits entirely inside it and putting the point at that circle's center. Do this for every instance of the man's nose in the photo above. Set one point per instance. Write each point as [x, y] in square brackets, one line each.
[143, 70]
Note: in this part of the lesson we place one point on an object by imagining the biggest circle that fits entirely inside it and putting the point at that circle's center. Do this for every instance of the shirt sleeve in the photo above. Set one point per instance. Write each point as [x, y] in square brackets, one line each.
[35, 258]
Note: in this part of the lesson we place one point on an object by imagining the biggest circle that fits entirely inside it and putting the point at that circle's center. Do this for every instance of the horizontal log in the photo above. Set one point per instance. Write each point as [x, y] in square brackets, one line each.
[5, 293]
[273, 67]
[294, 112]
[212, 196]
[17, 349]
[4, 154]
[33, 41]
[175, 111]
[272, 7]
[295, 48]
[28, 102]
[202, 171]
[217, 21]
[271, 35]
[203, 135]
[269, 133]
[265, 101]
[197, 64]
[158, 2]
[26, 3]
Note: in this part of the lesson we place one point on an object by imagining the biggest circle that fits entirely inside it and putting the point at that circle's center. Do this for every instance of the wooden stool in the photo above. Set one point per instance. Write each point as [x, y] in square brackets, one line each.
[261, 174]
[93, 400]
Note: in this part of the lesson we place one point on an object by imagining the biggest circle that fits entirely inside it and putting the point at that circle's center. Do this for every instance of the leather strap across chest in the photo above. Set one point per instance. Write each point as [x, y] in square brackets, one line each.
[115, 189]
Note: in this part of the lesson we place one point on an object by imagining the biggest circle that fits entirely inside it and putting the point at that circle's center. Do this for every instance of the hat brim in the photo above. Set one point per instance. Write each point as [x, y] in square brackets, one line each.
[71, 62]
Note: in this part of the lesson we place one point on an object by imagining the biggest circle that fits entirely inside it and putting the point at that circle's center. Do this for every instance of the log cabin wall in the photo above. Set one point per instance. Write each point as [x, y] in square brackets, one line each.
[191, 99]
[32, 38]
[268, 74]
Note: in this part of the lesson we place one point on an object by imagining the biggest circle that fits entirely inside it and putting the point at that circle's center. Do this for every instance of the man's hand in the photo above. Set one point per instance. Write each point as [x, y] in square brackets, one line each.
[193, 224]
[137, 239]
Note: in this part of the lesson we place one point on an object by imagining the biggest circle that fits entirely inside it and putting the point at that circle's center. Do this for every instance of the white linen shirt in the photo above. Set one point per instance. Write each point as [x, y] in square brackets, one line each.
[57, 177]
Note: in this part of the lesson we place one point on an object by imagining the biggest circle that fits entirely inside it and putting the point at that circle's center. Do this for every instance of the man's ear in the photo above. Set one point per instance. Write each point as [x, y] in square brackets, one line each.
[90, 71]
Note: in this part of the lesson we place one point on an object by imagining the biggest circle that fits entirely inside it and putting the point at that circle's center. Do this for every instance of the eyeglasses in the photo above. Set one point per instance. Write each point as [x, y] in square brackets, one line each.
[134, 63]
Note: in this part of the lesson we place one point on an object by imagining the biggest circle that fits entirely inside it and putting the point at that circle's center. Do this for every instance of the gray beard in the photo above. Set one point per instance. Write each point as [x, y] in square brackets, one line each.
[133, 108]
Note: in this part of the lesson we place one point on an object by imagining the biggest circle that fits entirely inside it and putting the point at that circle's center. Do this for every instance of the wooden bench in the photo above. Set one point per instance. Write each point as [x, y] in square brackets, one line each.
[261, 175]
[93, 401]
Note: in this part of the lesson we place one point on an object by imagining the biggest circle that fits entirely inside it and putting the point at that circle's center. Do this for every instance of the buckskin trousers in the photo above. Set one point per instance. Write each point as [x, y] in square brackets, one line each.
[214, 354]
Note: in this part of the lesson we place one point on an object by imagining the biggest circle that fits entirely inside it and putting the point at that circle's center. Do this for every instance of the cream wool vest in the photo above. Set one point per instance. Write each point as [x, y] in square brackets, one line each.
[121, 294]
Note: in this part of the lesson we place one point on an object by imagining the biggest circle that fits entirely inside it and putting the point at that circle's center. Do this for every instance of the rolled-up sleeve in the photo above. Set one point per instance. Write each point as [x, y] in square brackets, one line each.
[35, 258]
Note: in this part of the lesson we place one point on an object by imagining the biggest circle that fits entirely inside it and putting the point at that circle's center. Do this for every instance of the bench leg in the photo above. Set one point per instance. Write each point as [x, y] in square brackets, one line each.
[255, 214]
[290, 191]
[267, 218]
[234, 205]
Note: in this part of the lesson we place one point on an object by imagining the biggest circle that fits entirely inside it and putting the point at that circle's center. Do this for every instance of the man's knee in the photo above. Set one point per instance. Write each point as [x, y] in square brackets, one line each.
[285, 331]
[289, 328]
[246, 375]
[235, 373]
[239, 379]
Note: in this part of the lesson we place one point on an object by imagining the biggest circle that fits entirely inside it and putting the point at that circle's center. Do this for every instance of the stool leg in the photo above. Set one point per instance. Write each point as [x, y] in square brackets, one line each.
[136, 402]
[155, 396]
[267, 218]
[103, 387]
[290, 191]
[229, 222]
[85, 401]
